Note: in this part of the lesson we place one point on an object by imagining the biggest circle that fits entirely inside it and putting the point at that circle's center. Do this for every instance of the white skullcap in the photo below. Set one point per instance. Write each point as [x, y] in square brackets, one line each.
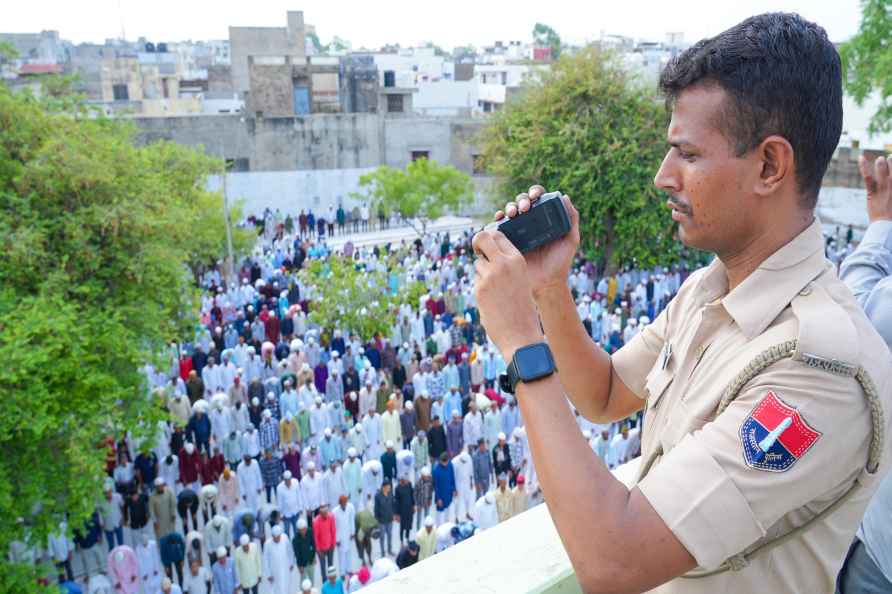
[502, 436]
[428, 521]
[221, 551]
[245, 539]
[166, 583]
[318, 400]
[288, 416]
[489, 498]
[159, 481]
[306, 585]
[327, 432]
[389, 444]
[335, 354]
[255, 401]
[266, 413]
[455, 413]
[286, 475]
[311, 465]
[587, 434]
[409, 405]
[277, 530]
[351, 452]
[301, 523]
[295, 345]
[425, 471]
[358, 427]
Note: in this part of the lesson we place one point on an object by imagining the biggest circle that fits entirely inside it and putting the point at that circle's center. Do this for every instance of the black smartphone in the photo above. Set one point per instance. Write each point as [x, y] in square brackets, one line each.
[545, 222]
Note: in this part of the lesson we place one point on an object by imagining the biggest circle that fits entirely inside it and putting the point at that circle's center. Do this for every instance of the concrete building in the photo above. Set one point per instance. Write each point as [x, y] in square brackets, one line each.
[256, 42]
[38, 48]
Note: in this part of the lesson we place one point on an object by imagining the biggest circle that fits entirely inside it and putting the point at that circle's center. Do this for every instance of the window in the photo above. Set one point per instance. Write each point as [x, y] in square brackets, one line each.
[236, 165]
[504, 76]
[477, 167]
[420, 155]
[394, 104]
[120, 93]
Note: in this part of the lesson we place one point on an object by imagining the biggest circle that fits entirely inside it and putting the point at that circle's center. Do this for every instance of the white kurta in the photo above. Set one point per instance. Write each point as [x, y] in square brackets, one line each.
[150, 572]
[250, 483]
[391, 429]
[372, 479]
[311, 488]
[290, 499]
[485, 514]
[278, 560]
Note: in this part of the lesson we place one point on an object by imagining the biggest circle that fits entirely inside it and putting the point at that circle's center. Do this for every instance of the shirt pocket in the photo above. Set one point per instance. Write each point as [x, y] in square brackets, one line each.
[656, 384]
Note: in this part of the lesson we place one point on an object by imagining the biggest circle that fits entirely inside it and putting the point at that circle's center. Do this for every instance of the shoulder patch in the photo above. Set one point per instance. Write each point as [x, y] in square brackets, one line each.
[828, 338]
[775, 435]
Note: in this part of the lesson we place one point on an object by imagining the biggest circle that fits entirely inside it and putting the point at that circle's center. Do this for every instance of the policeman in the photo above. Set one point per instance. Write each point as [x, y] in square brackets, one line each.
[762, 382]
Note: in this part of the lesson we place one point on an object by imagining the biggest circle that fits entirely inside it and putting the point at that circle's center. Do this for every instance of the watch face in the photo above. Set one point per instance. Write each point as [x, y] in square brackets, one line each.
[533, 362]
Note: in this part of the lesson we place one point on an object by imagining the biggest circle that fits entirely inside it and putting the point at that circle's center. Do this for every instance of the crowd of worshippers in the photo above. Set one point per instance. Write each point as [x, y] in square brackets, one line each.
[296, 455]
[329, 223]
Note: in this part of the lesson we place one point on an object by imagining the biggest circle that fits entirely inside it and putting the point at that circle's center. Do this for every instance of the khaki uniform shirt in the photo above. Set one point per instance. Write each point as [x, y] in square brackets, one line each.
[718, 501]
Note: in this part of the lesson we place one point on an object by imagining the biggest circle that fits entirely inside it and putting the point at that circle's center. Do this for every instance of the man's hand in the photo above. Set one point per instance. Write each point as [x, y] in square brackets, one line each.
[504, 295]
[548, 266]
[879, 187]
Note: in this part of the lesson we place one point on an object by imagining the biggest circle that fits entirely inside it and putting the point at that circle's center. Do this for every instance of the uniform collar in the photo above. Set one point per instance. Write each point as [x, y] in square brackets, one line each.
[764, 294]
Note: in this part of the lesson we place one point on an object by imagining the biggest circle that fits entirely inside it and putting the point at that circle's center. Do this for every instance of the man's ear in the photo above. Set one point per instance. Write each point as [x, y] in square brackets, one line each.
[776, 163]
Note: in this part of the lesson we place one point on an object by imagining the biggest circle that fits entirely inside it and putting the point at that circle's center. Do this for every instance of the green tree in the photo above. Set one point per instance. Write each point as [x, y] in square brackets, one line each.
[314, 39]
[545, 36]
[97, 236]
[351, 297]
[339, 45]
[583, 129]
[424, 191]
[8, 52]
[867, 61]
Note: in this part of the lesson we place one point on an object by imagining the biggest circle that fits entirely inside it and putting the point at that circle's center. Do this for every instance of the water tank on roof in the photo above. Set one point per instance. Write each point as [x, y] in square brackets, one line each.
[150, 47]
[162, 48]
[389, 78]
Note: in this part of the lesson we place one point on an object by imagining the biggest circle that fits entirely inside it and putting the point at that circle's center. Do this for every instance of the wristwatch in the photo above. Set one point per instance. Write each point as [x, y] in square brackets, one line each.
[529, 363]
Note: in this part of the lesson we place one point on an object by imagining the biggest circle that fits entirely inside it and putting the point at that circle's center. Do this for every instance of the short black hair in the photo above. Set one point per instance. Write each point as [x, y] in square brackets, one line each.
[783, 76]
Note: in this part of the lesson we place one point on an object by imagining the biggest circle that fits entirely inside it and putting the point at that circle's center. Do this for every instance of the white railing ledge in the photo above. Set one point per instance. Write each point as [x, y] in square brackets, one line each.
[521, 555]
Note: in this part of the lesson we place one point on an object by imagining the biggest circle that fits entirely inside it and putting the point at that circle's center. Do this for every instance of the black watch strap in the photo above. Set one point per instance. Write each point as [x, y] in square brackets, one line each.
[508, 381]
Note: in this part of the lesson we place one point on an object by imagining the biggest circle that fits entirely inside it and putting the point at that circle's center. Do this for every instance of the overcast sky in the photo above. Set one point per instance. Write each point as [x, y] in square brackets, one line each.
[447, 23]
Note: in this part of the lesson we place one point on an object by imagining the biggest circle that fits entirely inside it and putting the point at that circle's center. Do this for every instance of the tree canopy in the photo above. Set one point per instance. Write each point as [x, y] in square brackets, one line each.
[354, 298]
[583, 128]
[424, 191]
[98, 237]
[867, 61]
[545, 36]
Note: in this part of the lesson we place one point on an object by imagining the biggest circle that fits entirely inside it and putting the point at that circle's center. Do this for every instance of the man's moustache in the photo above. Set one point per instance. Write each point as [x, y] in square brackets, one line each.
[680, 206]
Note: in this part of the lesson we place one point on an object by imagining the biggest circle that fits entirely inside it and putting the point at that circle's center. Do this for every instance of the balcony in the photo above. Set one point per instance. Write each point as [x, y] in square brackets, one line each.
[521, 555]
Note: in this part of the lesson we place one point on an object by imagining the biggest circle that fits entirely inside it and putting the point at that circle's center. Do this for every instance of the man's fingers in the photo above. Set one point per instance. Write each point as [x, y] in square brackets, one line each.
[536, 191]
[504, 245]
[869, 181]
[484, 245]
[881, 173]
[500, 214]
[511, 210]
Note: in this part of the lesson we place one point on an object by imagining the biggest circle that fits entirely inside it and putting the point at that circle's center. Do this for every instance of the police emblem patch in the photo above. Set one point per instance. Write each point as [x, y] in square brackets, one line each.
[775, 435]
